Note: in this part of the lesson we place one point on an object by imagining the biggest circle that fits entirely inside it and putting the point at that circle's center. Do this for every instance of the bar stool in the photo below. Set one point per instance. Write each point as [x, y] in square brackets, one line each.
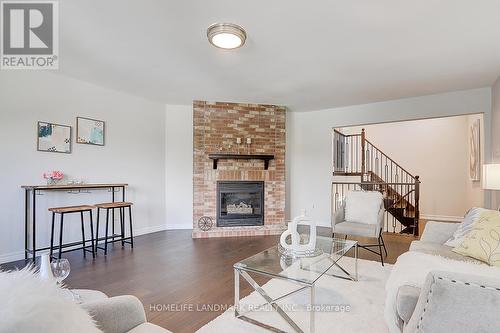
[121, 237]
[72, 210]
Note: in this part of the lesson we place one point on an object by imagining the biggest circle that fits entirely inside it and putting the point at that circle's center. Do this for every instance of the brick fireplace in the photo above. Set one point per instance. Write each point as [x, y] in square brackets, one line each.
[217, 127]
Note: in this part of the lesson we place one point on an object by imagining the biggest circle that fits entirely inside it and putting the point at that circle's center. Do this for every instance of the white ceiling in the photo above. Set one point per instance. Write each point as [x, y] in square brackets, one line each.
[307, 55]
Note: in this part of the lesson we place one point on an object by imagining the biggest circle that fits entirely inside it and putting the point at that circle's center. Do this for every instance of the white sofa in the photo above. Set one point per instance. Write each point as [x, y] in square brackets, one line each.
[119, 314]
[448, 301]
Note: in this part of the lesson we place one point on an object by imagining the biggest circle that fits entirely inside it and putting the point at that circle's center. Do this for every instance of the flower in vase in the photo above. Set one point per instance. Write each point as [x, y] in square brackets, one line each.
[53, 176]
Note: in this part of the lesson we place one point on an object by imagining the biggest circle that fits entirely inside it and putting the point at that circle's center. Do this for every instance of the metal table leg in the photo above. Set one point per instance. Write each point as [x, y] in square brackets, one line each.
[113, 212]
[356, 261]
[312, 313]
[26, 222]
[236, 292]
[34, 225]
[273, 302]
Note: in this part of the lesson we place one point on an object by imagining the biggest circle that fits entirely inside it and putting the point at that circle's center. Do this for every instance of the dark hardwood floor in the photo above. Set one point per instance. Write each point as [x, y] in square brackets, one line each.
[169, 269]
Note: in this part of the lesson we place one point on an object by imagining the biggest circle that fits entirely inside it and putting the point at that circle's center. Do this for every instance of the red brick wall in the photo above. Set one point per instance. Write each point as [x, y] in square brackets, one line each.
[216, 126]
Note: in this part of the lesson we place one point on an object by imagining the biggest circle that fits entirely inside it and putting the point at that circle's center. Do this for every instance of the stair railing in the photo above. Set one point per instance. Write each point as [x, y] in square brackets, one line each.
[354, 155]
[347, 153]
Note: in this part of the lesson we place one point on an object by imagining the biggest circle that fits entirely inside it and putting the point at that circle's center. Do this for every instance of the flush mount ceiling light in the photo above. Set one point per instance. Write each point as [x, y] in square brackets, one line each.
[226, 35]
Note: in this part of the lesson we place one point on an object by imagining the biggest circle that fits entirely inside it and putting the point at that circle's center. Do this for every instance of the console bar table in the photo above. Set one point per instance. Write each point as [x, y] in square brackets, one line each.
[30, 192]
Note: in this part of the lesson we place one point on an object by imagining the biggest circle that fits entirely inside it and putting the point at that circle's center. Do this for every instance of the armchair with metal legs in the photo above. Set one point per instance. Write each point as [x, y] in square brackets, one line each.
[361, 229]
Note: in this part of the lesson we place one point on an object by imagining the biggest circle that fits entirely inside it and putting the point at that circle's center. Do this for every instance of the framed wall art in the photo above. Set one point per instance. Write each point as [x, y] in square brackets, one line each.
[474, 151]
[90, 131]
[53, 138]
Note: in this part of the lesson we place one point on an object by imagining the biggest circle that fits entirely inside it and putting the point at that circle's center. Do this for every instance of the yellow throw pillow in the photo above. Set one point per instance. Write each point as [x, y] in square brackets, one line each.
[483, 241]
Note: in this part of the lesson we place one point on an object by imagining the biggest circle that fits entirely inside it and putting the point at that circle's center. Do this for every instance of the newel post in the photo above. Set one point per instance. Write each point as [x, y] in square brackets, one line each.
[363, 151]
[417, 208]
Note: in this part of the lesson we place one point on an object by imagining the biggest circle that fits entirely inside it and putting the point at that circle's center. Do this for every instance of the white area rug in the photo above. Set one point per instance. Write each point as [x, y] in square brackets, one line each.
[364, 298]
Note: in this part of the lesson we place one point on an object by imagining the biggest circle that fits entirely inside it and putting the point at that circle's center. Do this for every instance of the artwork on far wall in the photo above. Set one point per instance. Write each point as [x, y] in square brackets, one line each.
[474, 151]
[89, 131]
[53, 138]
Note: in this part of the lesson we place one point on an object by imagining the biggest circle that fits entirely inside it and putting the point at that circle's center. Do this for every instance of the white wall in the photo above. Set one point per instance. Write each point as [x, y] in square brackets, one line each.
[179, 166]
[309, 140]
[438, 151]
[134, 152]
[495, 135]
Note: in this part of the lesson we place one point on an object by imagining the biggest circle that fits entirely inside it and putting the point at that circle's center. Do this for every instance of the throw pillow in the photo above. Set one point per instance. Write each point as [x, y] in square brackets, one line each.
[362, 206]
[30, 304]
[483, 242]
[470, 219]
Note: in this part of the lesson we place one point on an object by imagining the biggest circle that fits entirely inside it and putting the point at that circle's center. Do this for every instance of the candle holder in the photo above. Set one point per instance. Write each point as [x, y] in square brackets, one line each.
[238, 143]
[249, 142]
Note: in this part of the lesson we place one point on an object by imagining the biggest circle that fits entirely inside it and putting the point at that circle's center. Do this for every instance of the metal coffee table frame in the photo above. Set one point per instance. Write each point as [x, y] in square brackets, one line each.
[242, 270]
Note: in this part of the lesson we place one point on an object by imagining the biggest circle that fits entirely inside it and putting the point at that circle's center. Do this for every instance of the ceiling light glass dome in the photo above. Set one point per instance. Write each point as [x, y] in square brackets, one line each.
[226, 35]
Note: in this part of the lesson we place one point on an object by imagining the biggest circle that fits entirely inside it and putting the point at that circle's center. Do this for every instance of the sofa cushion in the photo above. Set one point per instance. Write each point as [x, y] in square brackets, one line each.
[471, 218]
[438, 250]
[406, 300]
[483, 242]
[458, 303]
[356, 228]
[362, 206]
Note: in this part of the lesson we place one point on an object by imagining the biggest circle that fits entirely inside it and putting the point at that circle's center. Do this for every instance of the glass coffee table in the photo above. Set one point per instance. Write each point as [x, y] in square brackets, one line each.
[302, 271]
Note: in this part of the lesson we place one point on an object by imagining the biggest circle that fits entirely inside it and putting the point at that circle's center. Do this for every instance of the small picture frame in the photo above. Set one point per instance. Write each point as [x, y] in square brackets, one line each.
[90, 131]
[53, 138]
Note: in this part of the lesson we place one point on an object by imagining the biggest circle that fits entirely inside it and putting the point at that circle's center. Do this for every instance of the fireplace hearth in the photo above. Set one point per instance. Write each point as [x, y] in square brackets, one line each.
[240, 203]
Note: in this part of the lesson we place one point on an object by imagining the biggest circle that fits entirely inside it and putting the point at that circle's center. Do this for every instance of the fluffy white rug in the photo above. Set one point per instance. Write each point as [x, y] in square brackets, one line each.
[361, 304]
[29, 304]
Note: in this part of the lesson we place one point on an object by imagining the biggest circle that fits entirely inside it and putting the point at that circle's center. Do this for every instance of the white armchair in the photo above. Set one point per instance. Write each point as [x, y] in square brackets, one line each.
[362, 221]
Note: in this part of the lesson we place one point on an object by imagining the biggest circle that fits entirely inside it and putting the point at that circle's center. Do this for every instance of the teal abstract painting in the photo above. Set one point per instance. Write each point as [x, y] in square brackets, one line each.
[90, 131]
[53, 138]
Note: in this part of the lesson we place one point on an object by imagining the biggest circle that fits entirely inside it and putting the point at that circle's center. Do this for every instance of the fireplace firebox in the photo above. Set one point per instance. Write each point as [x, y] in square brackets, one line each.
[240, 203]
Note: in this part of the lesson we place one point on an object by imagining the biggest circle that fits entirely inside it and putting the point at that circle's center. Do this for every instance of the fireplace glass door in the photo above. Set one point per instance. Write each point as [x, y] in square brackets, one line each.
[240, 203]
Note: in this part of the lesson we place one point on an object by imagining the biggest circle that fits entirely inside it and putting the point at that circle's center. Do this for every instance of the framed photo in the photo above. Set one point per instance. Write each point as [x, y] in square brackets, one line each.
[90, 131]
[53, 138]
[474, 151]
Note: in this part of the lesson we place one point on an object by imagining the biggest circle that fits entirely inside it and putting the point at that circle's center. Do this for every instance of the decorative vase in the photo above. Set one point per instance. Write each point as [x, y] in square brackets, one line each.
[45, 269]
[292, 231]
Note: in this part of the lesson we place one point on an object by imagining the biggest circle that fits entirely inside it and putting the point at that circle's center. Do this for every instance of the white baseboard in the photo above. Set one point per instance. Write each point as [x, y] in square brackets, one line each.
[149, 230]
[19, 255]
[13, 256]
[179, 226]
[441, 218]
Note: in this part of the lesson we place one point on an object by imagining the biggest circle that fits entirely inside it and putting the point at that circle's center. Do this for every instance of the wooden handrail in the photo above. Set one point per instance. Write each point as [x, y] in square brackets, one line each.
[373, 183]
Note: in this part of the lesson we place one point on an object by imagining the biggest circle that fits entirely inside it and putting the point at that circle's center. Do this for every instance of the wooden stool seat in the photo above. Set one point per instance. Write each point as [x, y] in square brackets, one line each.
[71, 209]
[113, 205]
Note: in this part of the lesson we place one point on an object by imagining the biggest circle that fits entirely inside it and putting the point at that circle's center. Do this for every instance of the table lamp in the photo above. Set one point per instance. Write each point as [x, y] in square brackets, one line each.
[491, 177]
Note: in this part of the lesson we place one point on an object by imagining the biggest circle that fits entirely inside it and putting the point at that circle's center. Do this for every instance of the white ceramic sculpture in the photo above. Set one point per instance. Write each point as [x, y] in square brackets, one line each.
[292, 231]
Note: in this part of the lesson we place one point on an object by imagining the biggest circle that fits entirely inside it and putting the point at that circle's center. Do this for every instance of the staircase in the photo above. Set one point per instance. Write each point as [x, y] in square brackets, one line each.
[366, 167]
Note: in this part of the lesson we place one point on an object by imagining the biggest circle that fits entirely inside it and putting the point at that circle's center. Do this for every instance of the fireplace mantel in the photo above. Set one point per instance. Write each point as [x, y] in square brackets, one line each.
[227, 156]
